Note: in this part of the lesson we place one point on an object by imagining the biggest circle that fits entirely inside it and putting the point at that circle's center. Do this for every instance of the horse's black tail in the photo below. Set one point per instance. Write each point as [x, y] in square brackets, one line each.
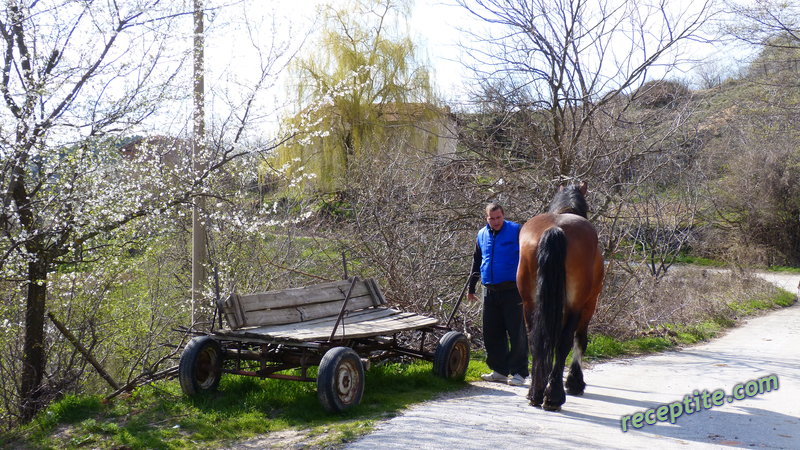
[550, 293]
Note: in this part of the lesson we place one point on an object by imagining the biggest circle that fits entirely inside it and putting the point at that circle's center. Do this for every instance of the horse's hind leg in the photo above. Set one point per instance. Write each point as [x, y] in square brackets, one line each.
[554, 395]
[538, 380]
[575, 384]
[539, 368]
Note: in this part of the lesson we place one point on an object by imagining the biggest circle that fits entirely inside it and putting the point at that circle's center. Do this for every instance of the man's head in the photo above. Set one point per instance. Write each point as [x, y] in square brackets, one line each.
[495, 216]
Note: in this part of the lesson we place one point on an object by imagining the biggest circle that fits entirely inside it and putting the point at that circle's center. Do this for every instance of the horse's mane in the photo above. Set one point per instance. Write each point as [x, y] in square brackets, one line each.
[569, 199]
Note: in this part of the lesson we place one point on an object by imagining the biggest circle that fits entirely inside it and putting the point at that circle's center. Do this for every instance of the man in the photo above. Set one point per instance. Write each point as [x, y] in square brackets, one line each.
[495, 260]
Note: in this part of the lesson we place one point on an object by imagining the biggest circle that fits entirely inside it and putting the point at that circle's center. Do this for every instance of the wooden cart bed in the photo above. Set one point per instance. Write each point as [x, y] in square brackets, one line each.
[314, 313]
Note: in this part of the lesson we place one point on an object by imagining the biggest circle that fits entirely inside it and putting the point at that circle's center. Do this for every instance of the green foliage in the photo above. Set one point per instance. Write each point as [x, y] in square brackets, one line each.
[601, 346]
[159, 416]
[750, 306]
[131, 299]
[70, 409]
[363, 86]
[476, 368]
[777, 61]
[392, 387]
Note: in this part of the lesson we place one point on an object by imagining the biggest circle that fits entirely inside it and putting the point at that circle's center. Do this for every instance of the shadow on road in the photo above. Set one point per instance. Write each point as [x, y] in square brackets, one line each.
[745, 426]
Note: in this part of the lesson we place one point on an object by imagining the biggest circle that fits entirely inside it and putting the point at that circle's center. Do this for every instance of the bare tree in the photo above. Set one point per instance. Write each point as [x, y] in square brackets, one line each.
[758, 196]
[572, 59]
[411, 222]
[765, 22]
[660, 229]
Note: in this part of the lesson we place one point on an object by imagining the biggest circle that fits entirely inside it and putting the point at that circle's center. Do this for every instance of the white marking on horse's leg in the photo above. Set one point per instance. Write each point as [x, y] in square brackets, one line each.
[577, 353]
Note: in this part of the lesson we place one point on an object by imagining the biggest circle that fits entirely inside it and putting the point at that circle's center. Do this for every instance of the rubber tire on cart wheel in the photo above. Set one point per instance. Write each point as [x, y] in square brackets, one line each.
[200, 368]
[452, 356]
[340, 379]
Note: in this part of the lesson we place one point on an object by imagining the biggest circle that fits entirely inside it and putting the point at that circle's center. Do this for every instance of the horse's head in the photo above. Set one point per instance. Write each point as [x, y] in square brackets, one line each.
[570, 199]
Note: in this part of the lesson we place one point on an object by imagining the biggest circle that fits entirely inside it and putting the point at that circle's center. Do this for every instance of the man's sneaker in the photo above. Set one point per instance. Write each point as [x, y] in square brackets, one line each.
[516, 380]
[494, 376]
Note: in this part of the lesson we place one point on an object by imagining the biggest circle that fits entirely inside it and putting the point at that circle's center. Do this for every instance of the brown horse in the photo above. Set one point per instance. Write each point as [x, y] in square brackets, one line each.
[560, 276]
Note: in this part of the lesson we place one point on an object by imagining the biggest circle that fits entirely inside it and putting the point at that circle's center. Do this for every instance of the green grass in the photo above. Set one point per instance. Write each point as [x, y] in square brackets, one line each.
[685, 258]
[159, 416]
[689, 259]
[682, 258]
[603, 347]
[748, 307]
[784, 298]
[477, 366]
[784, 269]
[699, 261]
[672, 335]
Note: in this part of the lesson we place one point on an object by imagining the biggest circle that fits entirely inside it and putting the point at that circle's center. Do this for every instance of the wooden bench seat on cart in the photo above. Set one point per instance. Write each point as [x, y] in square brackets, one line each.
[311, 313]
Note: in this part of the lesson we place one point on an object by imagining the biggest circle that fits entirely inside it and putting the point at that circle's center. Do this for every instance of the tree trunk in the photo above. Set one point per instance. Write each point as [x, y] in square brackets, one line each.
[33, 356]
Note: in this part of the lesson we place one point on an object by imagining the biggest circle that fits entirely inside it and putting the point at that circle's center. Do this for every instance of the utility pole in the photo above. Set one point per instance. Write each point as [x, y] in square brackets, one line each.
[198, 161]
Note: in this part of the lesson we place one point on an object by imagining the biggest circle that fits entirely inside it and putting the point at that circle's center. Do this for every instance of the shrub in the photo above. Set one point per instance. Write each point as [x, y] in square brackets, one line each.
[661, 94]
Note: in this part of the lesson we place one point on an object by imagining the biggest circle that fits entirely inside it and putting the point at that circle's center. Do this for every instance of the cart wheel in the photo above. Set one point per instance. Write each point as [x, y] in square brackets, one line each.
[340, 379]
[452, 356]
[200, 368]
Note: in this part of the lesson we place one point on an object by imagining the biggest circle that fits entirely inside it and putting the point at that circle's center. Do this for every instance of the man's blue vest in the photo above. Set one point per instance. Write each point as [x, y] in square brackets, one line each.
[500, 253]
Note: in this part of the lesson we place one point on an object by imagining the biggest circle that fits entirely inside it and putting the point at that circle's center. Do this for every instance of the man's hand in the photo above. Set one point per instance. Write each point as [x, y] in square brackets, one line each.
[472, 297]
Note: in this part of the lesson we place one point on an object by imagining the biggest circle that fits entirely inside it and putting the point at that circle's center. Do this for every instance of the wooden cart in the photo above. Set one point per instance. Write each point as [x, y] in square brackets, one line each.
[341, 327]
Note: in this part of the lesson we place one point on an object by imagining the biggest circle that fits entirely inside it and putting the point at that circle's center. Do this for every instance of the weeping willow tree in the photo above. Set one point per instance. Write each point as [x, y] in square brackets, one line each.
[362, 86]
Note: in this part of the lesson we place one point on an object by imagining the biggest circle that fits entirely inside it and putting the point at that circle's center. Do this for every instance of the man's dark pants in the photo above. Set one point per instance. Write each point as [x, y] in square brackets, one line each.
[503, 326]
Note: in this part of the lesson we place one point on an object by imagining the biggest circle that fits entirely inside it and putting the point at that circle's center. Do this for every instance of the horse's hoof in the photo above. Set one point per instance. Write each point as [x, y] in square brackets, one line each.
[554, 402]
[535, 402]
[550, 407]
[575, 385]
[575, 391]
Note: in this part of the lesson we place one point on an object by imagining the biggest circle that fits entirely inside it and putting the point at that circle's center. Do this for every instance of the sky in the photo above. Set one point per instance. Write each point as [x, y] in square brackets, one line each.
[434, 25]
[239, 36]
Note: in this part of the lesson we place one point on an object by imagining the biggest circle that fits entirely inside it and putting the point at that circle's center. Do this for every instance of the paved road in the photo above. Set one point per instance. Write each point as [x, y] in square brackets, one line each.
[490, 415]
